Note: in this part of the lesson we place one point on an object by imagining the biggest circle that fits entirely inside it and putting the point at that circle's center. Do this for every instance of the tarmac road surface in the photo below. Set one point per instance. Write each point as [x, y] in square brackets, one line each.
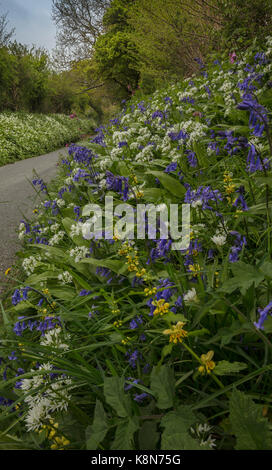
[17, 199]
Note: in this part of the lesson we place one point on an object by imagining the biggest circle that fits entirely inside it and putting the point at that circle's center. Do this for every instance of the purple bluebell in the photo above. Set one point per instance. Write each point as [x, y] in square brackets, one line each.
[175, 136]
[118, 184]
[133, 357]
[240, 241]
[136, 322]
[191, 157]
[263, 316]
[171, 167]
[203, 195]
[139, 398]
[85, 292]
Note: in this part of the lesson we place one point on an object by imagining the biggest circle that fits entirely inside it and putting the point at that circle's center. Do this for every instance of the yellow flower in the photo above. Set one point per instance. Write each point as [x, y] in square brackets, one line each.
[7, 271]
[125, 340]
[227, 178]
[141, 273]
[162, 307]
[195, 269]
[177, 333]
[230, 188]
[134, 179]
[150, 292]
[207, 364]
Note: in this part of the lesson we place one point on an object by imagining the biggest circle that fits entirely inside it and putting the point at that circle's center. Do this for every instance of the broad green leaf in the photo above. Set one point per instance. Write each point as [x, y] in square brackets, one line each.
[96, 433]
[148, 436]
[153, 194]
[251, 429]
[116, 397]
[228, 368]
[170, 183]
[176, 433]
[163, 386]
[118, 267]
[124, 435]
[179, 441]
[244, 276]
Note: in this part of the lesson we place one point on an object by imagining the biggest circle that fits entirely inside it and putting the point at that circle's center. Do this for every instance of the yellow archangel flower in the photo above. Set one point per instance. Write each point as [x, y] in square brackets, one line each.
[177, 333]
[150, 291]
[162, 307]
[207, 364]
[7, 271]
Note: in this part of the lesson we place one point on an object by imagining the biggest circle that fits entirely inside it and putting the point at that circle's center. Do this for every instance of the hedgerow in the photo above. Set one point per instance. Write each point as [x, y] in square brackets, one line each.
[127, 344]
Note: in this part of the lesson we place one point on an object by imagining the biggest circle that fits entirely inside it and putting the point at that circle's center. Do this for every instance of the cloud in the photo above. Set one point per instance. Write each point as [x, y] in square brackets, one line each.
[32, 21]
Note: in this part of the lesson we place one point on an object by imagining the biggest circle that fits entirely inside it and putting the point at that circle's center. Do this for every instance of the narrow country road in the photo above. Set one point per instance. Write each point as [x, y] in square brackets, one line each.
[17, 198]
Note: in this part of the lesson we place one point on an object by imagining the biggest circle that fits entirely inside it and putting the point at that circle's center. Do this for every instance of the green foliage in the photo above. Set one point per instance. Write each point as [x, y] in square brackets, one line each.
[140, 346]
[96, 433]
[24, 135]
[244, 21]
[251, 429]
[176, 435]
[115, 396]
[162, 385]
[115, 53]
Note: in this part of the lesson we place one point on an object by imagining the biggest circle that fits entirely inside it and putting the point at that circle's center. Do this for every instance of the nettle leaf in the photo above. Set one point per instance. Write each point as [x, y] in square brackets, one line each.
[176, 433]
[163, 386]
[228, 368]
[244, 276]
[96, 433]
[251, 429]
[266, 268]
[115, 396]
[124, 435]
[170, 183]
[148, 436]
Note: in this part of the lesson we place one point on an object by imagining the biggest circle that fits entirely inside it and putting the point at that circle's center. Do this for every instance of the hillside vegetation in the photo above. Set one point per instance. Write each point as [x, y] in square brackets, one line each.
[128, 344]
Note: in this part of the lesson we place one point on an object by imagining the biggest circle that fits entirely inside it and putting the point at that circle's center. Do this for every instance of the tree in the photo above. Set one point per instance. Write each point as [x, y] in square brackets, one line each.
[115, 51]
[169, 34]
[5, 33]
[79, 23]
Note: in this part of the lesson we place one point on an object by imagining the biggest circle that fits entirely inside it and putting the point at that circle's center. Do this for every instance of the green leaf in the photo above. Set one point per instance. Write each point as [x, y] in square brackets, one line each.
[153, 194]
[244, 276]
[148, 436]
[124, 435]
[118, 267]
[251, 429]
[98, 430]
[170, 183]
[179, 441]
[266, 268]
[163, 386]
[228, 368]
[116, 397]
[176, 434]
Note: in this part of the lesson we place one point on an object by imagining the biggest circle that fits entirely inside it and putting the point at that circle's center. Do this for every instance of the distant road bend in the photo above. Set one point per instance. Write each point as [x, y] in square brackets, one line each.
[16, 200]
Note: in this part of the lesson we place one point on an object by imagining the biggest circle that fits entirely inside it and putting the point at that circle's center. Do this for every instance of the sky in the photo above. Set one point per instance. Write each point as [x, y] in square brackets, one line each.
[32, 21]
